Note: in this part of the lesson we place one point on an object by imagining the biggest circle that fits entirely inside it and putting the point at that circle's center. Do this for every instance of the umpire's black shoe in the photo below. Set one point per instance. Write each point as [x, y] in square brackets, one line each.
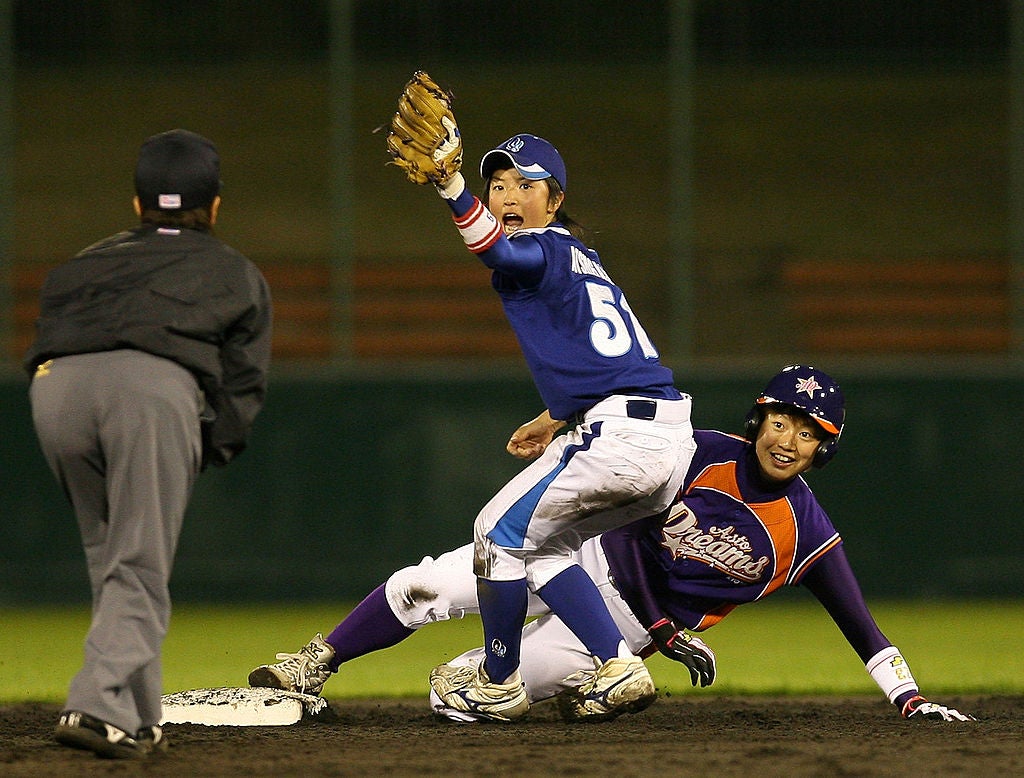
[152, 739]
[80, 730]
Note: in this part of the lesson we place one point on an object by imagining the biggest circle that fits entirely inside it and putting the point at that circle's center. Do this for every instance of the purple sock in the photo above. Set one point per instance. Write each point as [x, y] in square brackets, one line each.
[371, 626]
[573, 597]
[502, 611]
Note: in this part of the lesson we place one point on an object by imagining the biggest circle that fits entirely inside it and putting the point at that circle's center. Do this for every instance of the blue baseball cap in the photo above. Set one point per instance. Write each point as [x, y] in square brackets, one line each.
[533, 157]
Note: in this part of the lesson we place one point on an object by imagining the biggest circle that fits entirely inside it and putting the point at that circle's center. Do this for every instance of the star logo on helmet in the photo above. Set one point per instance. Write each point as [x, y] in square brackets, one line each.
[807, 385]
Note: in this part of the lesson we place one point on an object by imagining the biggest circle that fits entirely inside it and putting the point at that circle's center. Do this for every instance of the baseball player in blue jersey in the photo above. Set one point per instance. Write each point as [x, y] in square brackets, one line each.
[623, 457]
[743, 524]
[597, 372]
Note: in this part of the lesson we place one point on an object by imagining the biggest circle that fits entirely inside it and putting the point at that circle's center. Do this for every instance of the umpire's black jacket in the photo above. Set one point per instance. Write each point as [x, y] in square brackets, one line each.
[181, 294]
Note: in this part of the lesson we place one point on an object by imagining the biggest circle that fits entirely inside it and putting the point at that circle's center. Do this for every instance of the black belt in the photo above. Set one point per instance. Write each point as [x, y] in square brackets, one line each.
[635, 409]
[641, 409]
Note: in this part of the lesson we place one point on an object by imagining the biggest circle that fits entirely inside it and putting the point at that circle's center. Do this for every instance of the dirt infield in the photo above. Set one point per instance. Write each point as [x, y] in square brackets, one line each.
[716, 736]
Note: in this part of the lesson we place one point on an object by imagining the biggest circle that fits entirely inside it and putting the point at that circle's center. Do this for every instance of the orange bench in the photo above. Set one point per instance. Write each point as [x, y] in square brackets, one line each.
[947, 305]
[24, 283]
[399, 311]
[441, 310]
[303, 311]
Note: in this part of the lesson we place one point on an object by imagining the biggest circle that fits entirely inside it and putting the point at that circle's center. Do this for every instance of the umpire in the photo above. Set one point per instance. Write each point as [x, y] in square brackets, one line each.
[150, 362]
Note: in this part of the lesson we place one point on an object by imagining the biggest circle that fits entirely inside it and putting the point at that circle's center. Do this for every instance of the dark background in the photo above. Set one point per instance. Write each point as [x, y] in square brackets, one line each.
[867, 132]
[762, 32]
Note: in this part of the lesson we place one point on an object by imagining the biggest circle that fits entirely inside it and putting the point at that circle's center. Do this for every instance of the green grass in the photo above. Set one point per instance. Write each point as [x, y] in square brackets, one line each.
[790, 647]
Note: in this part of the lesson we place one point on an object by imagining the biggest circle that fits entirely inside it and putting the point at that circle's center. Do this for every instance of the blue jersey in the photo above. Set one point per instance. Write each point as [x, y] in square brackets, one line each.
[580, 339]
[728, 540]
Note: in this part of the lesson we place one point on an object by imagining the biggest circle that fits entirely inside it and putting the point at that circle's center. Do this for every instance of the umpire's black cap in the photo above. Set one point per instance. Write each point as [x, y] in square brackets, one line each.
[177, 170]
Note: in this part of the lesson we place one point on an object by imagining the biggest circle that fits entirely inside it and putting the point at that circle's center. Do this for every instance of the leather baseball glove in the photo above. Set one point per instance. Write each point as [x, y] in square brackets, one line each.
[424, 138]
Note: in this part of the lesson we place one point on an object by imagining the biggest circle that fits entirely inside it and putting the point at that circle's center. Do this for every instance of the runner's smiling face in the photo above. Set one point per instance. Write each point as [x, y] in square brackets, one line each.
[519, 203]
[786, 444]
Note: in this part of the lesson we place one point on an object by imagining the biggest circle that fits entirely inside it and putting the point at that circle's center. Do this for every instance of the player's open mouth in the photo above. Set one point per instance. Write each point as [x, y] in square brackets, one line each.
[511, 222]
[782, 459]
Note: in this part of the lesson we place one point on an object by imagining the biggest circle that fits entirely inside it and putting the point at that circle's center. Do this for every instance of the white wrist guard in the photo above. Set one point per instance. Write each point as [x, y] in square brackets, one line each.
[478, 227]
[456, 185]
[891, 672]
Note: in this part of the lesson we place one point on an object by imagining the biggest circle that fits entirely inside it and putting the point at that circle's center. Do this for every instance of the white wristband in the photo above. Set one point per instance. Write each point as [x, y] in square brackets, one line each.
[456, 185]
[891, 672]
[478, 227]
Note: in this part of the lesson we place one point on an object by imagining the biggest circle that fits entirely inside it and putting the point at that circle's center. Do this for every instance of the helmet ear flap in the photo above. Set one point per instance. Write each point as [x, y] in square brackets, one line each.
[752, 424]
[826, 450]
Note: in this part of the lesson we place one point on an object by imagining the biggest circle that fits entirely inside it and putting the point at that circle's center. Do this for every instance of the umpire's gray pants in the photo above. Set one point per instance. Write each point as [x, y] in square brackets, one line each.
[121, 432]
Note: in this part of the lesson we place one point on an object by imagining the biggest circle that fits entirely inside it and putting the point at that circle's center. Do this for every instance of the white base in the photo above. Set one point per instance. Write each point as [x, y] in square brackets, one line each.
[240, 707]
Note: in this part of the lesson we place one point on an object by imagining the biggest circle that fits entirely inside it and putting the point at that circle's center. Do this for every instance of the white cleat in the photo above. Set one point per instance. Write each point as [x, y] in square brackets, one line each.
[620, 685]
[305, 672]
[469, 689]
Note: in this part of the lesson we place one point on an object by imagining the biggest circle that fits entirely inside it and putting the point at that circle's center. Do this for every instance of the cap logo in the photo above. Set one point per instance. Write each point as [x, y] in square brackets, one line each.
[515, 145]
[807, 385]
[169, 201]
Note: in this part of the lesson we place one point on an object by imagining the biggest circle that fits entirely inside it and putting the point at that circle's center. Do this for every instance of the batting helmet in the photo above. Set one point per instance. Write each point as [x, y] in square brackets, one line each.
[809, 391]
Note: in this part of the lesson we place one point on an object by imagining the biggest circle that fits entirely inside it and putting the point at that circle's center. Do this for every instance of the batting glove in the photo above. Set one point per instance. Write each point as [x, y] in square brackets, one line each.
[686, 649]
[919, 708]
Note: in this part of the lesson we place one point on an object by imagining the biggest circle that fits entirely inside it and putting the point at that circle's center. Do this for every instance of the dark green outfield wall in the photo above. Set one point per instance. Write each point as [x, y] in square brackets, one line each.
[348, 479]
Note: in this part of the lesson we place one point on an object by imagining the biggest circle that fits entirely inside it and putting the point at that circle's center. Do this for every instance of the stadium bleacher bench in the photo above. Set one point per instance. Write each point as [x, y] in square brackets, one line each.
[940, 305]
[398, 311]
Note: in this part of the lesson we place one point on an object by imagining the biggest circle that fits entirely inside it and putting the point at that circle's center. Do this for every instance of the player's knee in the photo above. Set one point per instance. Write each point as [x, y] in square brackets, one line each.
[409, 591]
[540, 570]
[482, 562]
[419, 595]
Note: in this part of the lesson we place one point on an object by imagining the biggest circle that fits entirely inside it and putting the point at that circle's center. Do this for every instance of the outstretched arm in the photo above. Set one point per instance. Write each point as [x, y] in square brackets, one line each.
[832, 581]
[482, 233]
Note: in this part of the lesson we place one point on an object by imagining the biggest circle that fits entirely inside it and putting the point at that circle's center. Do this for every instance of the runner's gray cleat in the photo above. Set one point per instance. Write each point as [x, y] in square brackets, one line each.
[305, 672]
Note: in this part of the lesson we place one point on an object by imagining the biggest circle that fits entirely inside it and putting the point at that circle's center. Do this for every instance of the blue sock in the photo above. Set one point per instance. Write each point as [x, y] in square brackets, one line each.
[503, 612]
[575, 599]
[371, 626]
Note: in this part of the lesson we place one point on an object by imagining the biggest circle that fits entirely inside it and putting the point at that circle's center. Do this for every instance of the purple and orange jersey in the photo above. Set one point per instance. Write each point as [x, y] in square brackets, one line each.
[729, 539]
